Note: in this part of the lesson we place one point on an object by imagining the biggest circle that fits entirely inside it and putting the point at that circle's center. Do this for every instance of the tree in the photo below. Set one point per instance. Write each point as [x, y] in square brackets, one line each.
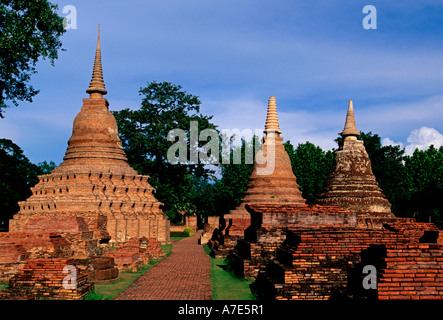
[17, 176]
[46, 167]
[424, 177]
[29, 30]
[387, 166]
[144, 134]
[311, 165]
[229, 190]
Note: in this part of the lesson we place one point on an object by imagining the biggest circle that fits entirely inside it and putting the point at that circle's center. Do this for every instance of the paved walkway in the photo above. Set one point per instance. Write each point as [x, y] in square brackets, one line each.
[184, 275]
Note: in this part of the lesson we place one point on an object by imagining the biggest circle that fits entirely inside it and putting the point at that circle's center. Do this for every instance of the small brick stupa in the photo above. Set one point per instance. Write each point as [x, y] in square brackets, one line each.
[94, 188]
[272, 179]
[352, 185]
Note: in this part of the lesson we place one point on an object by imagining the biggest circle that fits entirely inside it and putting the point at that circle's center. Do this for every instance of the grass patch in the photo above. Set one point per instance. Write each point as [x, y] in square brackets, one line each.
[107, 291]
[3, 285]
[225, 286]
[176, 238]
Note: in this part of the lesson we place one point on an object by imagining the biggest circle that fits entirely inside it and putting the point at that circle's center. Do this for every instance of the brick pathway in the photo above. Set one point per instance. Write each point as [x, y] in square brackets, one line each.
[184, 275]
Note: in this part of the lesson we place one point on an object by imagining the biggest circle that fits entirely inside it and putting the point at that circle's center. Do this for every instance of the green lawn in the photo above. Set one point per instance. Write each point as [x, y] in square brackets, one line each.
[3, 285]
[225, 286]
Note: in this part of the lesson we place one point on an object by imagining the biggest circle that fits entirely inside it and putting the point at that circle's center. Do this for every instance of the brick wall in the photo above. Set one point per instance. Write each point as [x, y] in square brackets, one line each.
[43, 279]
[413, 271]
[320, 262]
[135, 253]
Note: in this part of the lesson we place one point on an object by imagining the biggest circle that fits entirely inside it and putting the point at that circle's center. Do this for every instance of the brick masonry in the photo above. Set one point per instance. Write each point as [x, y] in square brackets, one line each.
[184, 275]
[135, 253]
[271, 182]
[326, 263]
[92, 201]
[44, 279]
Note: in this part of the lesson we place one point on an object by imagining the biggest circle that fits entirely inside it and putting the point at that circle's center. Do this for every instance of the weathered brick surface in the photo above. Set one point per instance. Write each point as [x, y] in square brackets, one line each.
[315, 262]
[277, 185]
[98, 268]
[43, 279]
[92, 201]
[17, 247]
[268, 230]
[412, 272]
[135, 253]
[352, 184]
[94, 188]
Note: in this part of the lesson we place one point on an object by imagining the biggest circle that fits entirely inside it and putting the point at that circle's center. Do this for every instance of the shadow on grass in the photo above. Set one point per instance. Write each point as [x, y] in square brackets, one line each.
[223, 266]
[226, 286]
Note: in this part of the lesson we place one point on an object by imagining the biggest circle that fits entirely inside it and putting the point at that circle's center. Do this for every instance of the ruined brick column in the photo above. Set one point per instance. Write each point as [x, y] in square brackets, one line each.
[352, 185]
[94, 188]
[270, 182]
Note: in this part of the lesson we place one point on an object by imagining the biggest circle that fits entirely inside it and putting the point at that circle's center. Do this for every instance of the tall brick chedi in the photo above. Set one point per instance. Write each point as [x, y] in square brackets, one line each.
[272, 179]
[94, 187]
[352, 185]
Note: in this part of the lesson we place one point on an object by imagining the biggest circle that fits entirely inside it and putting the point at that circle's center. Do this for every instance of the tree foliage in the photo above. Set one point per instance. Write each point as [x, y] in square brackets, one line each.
[311, 165]
[229, 190]
[412, 183]
[29, 30]
[164, 107]
[388, 168]
[17, 176]
[424, 178]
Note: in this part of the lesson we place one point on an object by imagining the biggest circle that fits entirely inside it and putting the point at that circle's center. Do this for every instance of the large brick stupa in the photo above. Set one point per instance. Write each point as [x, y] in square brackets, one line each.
[94, 188]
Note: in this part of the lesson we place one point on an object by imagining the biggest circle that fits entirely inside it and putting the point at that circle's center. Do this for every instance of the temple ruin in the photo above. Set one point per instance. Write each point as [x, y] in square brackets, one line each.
[351, 184]
[91, 202]
[94, 188]
[322, 252]
[272, 179]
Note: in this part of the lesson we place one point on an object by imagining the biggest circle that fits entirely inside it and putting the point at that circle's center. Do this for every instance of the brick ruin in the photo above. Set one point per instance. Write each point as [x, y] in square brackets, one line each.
[322, 263]
[135, 253]
[319, 252]
[44, 279]
[268, 230]
[272, 181]
[94, 182]
[93, 201]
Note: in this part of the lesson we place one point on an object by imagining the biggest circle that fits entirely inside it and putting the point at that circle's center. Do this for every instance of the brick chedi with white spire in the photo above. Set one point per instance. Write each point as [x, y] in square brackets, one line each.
[352, 184]
[272, 179]
[94, 188]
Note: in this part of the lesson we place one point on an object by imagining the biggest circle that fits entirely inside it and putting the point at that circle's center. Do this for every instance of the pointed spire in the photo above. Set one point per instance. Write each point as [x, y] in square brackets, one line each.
[350, 127]
[97, 85]
[272, 118]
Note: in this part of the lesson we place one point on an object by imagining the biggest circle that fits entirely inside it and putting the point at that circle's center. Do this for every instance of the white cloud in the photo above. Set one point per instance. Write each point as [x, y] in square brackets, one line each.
[422, 138]
[389, 142]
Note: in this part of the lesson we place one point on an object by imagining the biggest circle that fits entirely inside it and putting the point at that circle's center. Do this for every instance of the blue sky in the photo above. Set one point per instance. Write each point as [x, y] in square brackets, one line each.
[313, 56]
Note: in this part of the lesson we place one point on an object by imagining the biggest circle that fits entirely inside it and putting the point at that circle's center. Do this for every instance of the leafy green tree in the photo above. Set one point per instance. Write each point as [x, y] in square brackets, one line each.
[424, 177]
[29, 30]
[46, 167]
[144, 135]
[17, 176]
[311, 165]
[229, 190]
[388, 168]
